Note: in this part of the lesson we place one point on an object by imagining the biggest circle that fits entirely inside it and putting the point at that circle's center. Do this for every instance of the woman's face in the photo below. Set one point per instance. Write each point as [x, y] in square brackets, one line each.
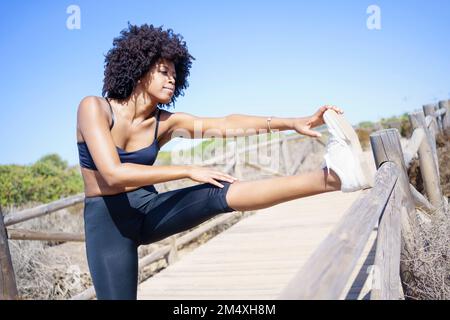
[159, 82]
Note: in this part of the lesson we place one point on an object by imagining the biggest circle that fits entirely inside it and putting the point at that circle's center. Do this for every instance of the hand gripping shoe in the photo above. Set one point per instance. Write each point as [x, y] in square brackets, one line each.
[344, 154]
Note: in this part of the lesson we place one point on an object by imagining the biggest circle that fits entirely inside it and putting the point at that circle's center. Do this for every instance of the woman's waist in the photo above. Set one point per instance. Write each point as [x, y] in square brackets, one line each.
[127, 190]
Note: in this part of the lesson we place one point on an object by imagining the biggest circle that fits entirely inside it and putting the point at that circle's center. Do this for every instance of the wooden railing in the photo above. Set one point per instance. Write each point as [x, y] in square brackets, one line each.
[234, 160]
[391, 204]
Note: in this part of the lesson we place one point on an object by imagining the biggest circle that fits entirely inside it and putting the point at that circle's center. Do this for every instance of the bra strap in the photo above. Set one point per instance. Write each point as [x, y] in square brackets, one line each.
[112, 114]
[158, 112]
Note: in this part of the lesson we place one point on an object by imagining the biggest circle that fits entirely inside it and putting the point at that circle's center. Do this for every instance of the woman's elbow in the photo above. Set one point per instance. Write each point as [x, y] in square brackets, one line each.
[113, 178]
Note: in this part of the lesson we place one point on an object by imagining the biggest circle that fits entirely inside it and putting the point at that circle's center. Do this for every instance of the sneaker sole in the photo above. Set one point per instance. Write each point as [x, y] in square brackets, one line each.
[344, 128]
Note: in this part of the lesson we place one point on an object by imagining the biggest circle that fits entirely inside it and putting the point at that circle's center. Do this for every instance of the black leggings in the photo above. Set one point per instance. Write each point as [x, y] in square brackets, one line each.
[116, 225]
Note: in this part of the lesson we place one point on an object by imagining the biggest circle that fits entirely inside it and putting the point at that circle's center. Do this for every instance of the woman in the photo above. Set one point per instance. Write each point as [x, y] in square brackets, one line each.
[120, 135]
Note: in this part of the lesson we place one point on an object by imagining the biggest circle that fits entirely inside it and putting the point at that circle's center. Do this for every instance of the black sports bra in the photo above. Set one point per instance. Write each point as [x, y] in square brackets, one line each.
[146, 156]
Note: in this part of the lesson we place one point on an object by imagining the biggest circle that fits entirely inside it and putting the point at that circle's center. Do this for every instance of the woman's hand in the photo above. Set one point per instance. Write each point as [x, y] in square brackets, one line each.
[202, 174]
[304, 125]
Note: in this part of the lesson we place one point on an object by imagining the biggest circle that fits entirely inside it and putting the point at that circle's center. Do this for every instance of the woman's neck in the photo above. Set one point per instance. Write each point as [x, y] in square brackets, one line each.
[138, 107]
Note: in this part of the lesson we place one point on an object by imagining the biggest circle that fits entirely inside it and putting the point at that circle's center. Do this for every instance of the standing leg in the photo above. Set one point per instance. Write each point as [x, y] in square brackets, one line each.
[112, 255]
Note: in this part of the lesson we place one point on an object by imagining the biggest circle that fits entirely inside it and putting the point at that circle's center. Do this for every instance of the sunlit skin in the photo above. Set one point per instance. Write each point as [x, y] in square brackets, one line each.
[133, 130]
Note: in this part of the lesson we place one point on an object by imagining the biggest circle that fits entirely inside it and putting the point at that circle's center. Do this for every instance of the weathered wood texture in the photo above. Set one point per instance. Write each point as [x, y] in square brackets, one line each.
[325, 274]
[8, 288]
[21, 234]
[428, 161]
[44, 209]
[386, 284]
[445, 105]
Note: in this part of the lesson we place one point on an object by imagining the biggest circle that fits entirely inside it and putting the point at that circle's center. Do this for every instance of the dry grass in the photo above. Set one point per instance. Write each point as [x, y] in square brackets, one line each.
[364, 137]
[42, 273]
[427, 275]
[428, 272]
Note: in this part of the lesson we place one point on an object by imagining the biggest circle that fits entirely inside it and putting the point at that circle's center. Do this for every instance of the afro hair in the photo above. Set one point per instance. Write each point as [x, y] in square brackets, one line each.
[133, 54]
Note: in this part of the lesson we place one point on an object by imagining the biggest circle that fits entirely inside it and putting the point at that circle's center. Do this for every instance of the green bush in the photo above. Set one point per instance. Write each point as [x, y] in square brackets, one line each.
[401, 123]
[48, 179]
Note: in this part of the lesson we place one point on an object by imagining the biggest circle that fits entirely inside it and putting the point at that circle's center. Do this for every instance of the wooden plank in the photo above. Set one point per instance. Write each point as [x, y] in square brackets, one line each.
[8, 288]
[432, 125]
[441, 111]
[420, 200]
[286, 155]
[44, 209]
[325, 274]
[386, 147]
[428, 162]
[21, 234]
[387, 258]
[263, 169]
[413, 145]
[445, 104]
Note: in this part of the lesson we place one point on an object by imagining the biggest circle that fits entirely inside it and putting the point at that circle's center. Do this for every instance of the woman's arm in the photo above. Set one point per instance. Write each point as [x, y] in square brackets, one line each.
[234, 125]
[237, 125]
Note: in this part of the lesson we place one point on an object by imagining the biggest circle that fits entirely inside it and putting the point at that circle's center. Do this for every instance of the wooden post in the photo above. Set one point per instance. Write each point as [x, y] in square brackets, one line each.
[386, 147]
[8, 288]
[286, 155]
[430, 110]
[428, 162]
[446, 117]
[173, 253]
[237, 164]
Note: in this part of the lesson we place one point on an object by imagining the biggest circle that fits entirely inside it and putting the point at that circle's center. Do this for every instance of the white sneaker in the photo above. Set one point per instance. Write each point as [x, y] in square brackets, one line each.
[344, 154]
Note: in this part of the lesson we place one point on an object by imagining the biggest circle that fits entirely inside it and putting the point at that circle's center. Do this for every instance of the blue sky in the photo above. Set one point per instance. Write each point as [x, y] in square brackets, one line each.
[280, 58]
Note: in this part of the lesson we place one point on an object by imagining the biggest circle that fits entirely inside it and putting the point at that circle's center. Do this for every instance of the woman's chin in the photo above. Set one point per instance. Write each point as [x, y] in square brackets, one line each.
[165, 100]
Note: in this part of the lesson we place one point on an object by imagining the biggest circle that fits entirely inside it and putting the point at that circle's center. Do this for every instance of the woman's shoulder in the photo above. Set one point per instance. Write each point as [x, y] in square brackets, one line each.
[93, 106]
[92, 100]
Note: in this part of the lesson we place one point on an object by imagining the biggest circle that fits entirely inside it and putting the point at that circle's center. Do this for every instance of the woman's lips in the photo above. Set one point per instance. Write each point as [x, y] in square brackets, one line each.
[170, 89]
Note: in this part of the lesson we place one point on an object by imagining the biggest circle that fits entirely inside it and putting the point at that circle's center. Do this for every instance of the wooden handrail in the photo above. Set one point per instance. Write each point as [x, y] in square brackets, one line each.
[386, 272]
[326, 273]
[42, 210]
[21, 234]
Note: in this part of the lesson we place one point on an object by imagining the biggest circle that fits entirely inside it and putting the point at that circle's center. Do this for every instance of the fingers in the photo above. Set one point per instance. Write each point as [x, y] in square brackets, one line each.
[312, 133]
[224, 176]
[214, 182]
[217, 175]
[332, 107]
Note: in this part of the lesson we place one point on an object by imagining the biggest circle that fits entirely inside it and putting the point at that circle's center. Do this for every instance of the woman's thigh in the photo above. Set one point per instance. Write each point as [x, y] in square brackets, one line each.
[179, 210]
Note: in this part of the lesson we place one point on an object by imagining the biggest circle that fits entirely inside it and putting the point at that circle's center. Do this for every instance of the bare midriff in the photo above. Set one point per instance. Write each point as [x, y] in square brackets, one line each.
[95, 184]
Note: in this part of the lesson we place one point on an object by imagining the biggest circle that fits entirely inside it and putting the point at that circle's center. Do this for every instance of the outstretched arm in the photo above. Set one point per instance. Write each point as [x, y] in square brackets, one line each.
[236, 125]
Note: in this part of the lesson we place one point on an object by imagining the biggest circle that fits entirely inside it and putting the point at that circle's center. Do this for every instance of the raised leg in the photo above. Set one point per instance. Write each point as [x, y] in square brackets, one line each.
[259, 194]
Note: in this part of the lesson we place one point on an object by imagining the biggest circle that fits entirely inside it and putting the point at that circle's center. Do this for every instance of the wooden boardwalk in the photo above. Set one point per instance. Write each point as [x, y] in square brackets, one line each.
[258, 256]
